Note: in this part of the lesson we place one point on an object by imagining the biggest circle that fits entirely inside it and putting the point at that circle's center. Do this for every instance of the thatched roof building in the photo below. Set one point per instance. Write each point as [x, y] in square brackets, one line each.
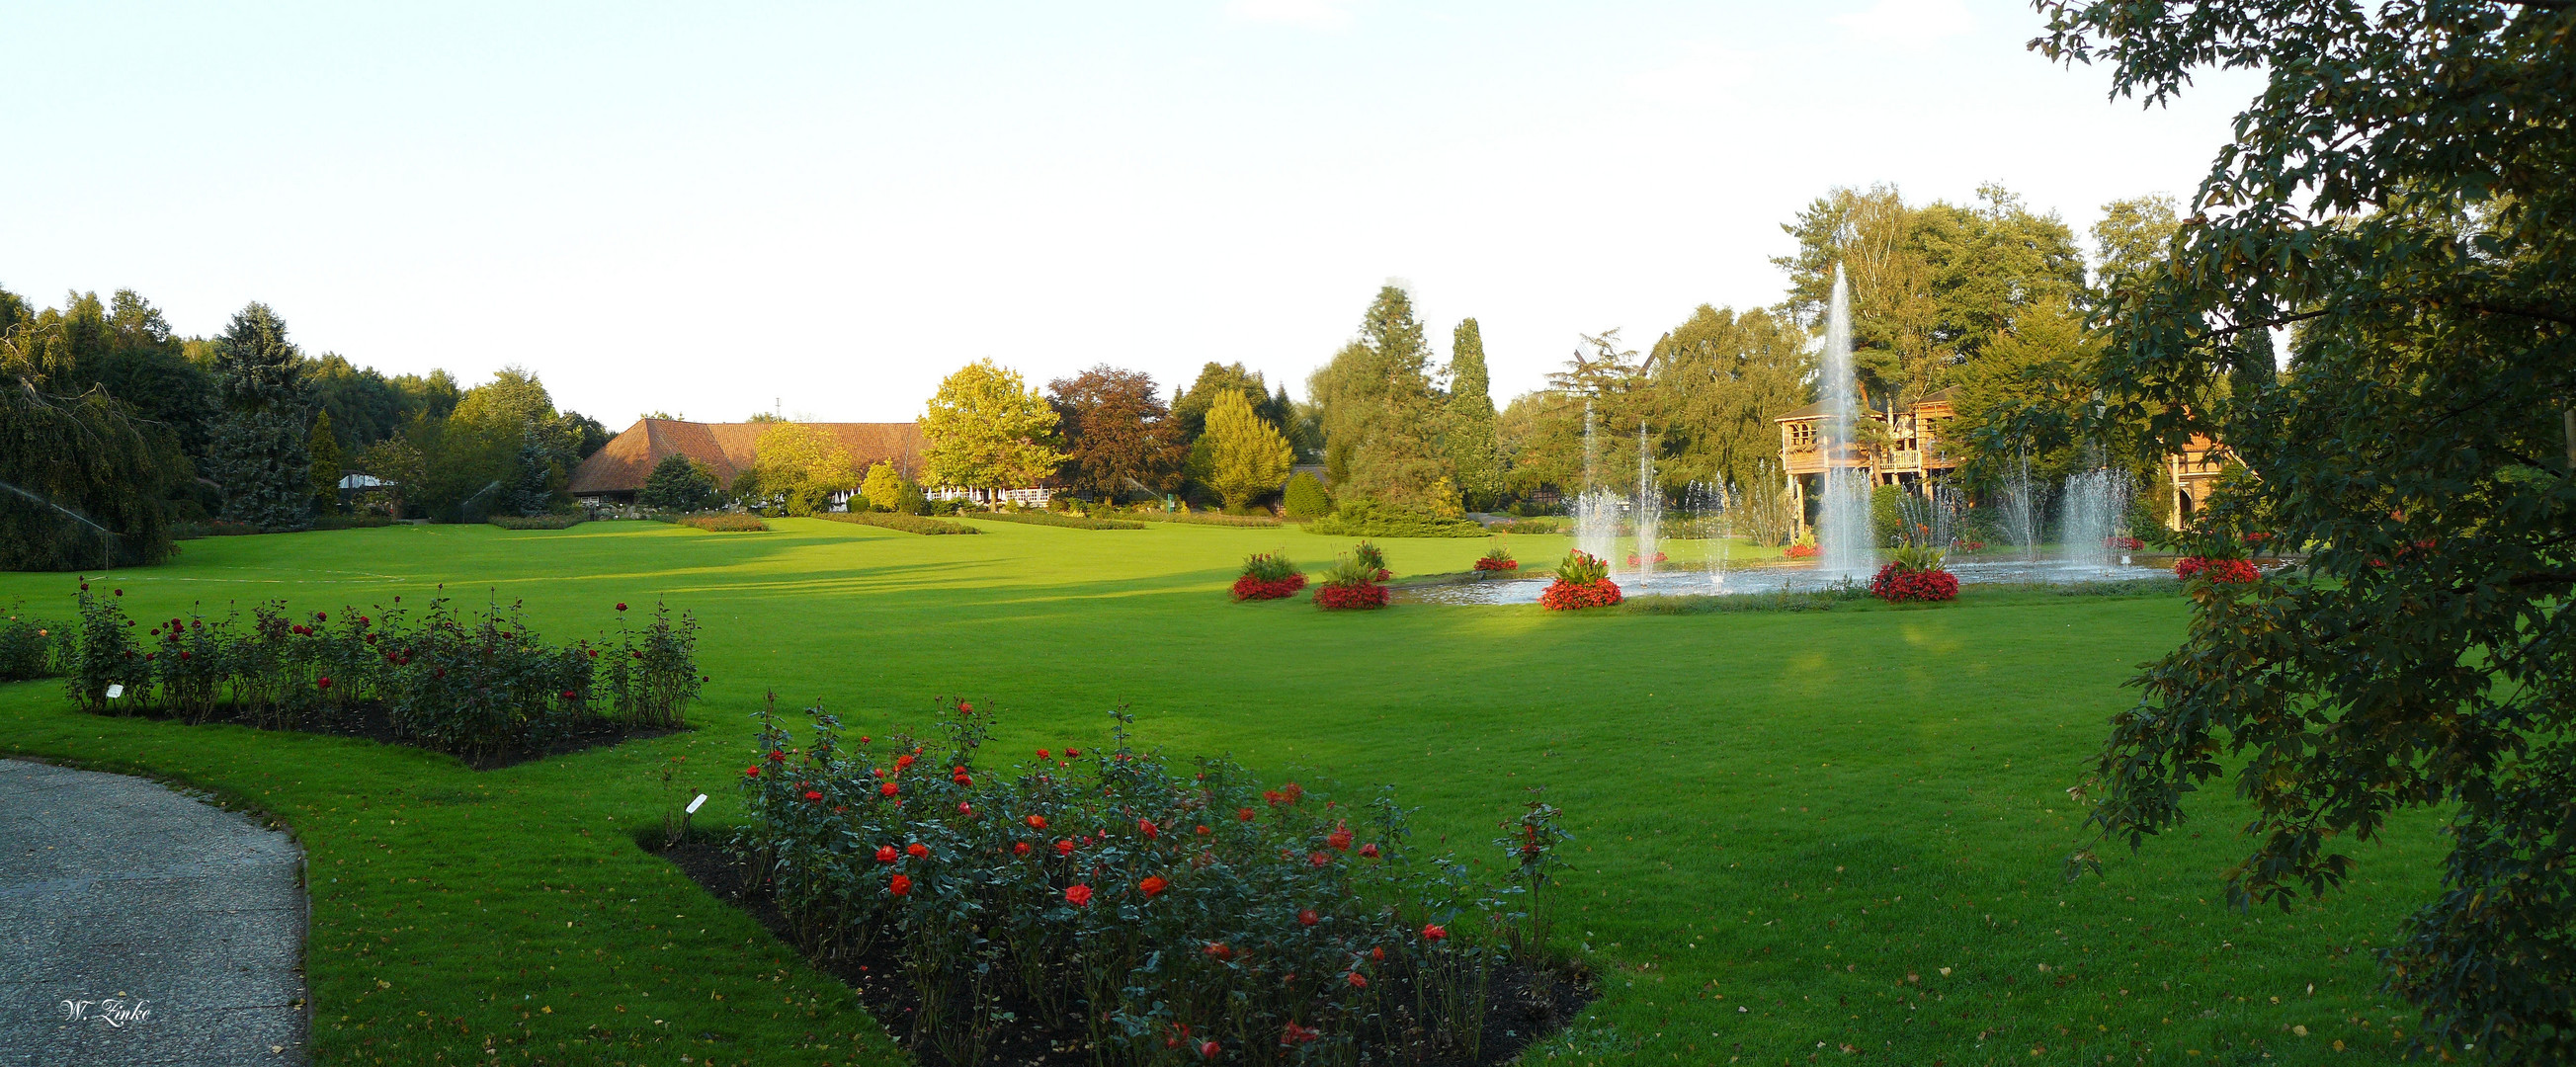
[613, 474]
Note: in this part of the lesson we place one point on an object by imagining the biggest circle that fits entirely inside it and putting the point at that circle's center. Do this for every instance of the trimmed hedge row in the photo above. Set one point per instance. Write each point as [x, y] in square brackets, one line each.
[1206, 518]
[911, 524]
[538, 522]
[1050, 518]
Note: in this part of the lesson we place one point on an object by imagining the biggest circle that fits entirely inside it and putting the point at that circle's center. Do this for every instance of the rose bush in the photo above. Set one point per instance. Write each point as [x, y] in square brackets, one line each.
[1149, 909]
[2233, 571]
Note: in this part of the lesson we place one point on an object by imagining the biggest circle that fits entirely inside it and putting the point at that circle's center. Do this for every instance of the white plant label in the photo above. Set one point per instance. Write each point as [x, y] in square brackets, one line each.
[693, 805]
[115, 691]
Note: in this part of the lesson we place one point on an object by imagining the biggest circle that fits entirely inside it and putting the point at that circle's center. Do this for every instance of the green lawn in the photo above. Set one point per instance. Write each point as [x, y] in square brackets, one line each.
[1829, 837]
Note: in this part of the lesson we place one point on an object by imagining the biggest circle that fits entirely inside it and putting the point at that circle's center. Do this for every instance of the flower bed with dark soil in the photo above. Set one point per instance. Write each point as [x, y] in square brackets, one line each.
[373, 721]
[1523, 1004]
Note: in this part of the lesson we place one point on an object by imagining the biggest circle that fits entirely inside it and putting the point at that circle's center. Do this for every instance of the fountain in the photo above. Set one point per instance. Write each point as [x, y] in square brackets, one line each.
[1596, 510]
[2091, 512]
[2019, 510]
[1649, 507]
[1842, 513]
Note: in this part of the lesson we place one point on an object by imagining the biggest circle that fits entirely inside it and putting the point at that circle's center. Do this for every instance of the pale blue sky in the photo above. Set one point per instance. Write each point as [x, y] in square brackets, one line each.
[702, 207]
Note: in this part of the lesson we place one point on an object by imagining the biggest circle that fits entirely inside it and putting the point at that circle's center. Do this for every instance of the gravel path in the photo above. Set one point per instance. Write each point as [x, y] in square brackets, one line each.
[141, 927]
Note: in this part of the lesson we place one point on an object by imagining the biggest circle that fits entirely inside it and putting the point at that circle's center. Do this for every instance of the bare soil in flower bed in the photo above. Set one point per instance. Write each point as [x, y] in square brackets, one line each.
[1526, 1003]
[373, 721]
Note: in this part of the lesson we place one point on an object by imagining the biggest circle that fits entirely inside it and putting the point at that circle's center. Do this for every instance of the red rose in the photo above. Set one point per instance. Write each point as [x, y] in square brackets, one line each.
[1210, 1050]
[1203, 830]
[1073, 753]
[621, 605]
[1377, 954]
[1340, 839]
[888, 789]
[1355, 980]
[1308, 917]
[1078, 895]
[1044, 754]
[901, 762]
[776, 756]
[1218, 950]
[568, 694]
[965, 809]
[1320, 860]
[899, 885]
[886, 854]
[1154, 885]
[1147, 828]
[812, 796]
[1037, 822]
[917, 850]
[1020, 848]
[324, 683]
[1064, 848]
[964, 708]
[751, 772]
[1434, 932]
[1244, 814]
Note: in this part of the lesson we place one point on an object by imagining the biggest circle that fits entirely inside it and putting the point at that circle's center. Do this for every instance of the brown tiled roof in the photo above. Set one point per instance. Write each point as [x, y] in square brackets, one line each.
[729, 448]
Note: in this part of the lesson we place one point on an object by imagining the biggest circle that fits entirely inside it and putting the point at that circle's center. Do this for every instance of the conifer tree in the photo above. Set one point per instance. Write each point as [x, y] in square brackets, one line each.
[1470, 439]
[325, 450]
[257, 453]
[1241, 457]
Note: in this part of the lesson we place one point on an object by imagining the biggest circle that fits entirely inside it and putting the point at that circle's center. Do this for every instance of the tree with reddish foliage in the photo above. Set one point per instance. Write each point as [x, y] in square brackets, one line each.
[1121, 437]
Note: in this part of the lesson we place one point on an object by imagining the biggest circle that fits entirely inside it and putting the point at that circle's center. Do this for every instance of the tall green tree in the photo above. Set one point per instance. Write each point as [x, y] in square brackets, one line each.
[1470, 440]
[678, 483]
[1382, 412]
[2398, 192]
[1190, 406]
[986, 429]
[1241, 456]
[324, 448]
[1118, 435]
[257, 452]
[88, 475]
[1712, 386]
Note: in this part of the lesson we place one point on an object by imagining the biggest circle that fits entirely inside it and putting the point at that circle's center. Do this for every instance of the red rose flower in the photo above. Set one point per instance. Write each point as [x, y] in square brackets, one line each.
[1320, 860]
[1037, 822]
[776, 756]
[964, 708]
[1147, 828]
[1218, 950]
[1203, 830]
[1154, 885]
[1244, 814]
[1078, 895]
[1434, 932]
[917, 850]
[1020, 848]
[1356, 981]
[323, 682]
[751, 772]
[1064, 848]
[1044, 754]
[621, 605]
[1369, 850]
[1308, 917]
[1210, 1050]
[812, 796]
[901, 762]
[886, 854]
[1073, 753]
[1377, 954]
[1340, 839]
[899, 885]
[888, 789]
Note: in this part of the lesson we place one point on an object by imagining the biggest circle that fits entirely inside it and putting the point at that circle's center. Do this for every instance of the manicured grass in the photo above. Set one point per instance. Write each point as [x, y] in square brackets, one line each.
[1797, 832]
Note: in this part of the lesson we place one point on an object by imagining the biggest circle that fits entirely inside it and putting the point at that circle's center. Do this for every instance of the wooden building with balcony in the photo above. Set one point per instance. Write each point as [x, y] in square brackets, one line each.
[1907, 446]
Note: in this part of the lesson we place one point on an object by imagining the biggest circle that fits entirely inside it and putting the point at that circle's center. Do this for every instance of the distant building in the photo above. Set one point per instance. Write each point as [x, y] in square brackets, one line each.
[2194, 472]
[613, 475]
[1918, 448]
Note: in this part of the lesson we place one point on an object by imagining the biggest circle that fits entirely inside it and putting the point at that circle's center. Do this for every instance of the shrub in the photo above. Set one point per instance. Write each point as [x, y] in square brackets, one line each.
[352, 522]
[1368, 518]
[653, 675]
[2227, 571]
[537, 522]
[1542, 525]
[1305, 498]
[1915, 574]
[1498, 559]
[1202, 518]
[103, 653]
[1582, 581]
[190, 531]
[30, 648]
[1049, 518]
[481, 686]
[1268, 576]
[911, 524]
[1138, 906]
[1352, 583]
[723, 522]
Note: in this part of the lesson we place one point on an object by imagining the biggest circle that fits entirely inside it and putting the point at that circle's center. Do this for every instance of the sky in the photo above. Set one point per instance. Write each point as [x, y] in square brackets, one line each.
[720, 209]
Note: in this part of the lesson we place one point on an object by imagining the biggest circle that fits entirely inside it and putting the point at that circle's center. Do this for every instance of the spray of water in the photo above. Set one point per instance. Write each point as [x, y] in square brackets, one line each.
[1842, 516]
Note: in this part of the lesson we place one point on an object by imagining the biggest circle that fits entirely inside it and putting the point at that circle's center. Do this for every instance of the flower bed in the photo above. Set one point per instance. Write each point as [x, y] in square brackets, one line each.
[486, 689]
[1500, 559]
[1897, 584]
[2124, 544]
[2230, 571]
[723, 522]
[911, 524]
[1050, 518]
[1582, 581]
[1268, 576]
[1659, 558]
[1967, 546]
[1157, 914]
[1801, 552]
[1353, 583]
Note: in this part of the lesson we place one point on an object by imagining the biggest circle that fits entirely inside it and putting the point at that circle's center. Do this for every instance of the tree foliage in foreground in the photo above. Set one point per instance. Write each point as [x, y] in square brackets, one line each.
[2399, 192]
[81, 477]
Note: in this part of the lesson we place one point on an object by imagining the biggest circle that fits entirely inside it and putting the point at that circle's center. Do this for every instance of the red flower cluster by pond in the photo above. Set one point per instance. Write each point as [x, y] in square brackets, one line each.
[2125, 544]
[2217, 570]
[1896, 584]
[1340, 597]
[1801, 552]
[1562, 595]
[1251, 588]
[1489, 563]
[1659, 558]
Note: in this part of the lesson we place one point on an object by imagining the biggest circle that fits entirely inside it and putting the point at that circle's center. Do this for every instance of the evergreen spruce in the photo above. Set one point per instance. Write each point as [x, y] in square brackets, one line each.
[325, 451]
[532, 493]
[257, 453]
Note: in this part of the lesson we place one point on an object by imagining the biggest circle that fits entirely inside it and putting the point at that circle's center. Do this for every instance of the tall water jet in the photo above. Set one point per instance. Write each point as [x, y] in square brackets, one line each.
[1596, 509]
[2091, 511]
[1649, 507]
[2020, 509]
[1842, 514]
